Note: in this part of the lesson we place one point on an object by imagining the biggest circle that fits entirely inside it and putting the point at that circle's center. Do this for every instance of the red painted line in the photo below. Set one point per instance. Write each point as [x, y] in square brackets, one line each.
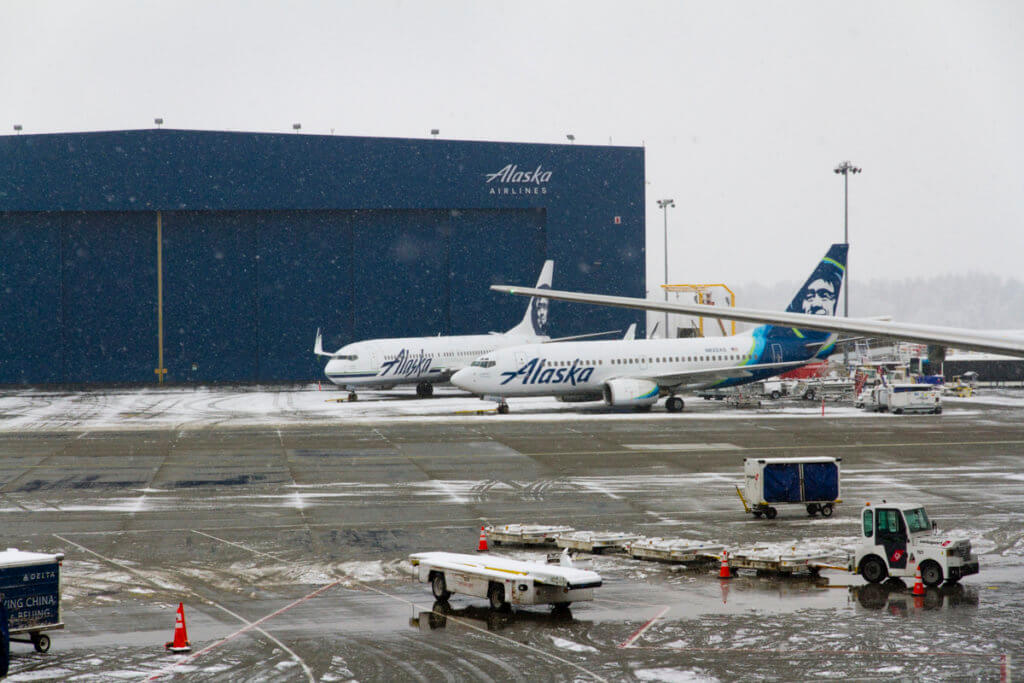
[240, 631]
[640, 631]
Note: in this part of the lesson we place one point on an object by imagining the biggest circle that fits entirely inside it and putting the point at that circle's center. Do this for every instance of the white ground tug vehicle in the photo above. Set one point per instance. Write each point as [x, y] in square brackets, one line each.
[504, 581]
[898, 537]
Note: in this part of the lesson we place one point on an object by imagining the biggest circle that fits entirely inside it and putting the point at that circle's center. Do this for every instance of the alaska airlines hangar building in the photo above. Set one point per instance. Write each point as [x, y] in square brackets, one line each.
[205, 256]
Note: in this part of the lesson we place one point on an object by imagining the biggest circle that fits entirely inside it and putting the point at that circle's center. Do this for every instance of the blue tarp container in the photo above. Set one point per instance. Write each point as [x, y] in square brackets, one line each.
[791, 480]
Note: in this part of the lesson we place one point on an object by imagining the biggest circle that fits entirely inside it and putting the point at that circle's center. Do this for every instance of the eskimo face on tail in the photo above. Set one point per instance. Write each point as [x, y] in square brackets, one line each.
[820, 294]
[539, 313]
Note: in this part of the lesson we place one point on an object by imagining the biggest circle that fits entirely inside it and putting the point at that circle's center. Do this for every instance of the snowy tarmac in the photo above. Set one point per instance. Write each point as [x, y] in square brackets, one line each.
[283, 520]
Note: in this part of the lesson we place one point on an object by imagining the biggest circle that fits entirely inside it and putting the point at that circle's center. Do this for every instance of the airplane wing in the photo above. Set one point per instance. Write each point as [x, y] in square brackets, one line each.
[710, 376]
[581, 336]
[923, 334]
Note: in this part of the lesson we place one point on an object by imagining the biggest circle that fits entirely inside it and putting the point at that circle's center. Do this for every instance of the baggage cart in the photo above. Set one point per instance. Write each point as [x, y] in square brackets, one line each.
[812, 482]
[678, 550]
[30, 589]
[595, 541]
[525, 534]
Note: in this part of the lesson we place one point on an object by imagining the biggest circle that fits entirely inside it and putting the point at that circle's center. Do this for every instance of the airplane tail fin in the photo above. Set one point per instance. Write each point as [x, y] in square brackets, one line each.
[819, 295]
[535, 322]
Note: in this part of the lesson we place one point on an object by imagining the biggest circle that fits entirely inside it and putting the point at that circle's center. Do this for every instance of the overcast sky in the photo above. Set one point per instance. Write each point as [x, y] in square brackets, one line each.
[743, 108]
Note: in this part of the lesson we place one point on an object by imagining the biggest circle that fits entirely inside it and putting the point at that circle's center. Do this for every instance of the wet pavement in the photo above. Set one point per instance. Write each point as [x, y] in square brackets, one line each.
[287, 541]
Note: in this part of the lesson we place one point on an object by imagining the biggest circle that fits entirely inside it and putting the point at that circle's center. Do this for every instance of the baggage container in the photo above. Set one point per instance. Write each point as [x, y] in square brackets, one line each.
[812, 482]
[30, 589]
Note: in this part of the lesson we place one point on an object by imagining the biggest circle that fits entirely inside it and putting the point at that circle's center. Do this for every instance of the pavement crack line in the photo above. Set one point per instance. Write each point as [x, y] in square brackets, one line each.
[250, 625]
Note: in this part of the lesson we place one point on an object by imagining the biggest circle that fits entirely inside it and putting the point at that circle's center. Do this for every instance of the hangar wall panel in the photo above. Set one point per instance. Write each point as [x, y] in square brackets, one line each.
[108, 297]
[211, 309]
[305, 283]
[400, 275]
[493, 247]
[30, 300]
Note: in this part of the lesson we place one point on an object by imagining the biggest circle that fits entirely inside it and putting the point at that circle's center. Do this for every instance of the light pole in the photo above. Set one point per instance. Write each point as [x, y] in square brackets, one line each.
[846, 168]
[664, 205]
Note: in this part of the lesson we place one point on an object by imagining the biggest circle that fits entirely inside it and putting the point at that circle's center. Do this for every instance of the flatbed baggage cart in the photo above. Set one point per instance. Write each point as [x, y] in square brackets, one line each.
[595, 541]
[30, 589]
[525, 534]
[781, 558]
[679, 550]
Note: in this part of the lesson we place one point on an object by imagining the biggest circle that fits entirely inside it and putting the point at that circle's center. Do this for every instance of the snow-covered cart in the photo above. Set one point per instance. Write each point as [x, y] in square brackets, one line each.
[678, 550]
[504, 581]
[525, 534]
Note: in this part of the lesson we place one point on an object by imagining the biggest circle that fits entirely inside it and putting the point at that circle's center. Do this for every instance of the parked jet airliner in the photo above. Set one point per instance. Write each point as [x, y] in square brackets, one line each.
[426, 361]
[638, 372]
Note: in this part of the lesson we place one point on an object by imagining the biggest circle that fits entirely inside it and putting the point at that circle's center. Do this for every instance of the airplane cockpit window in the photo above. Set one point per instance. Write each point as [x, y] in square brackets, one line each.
[347, 357]
[483, 363]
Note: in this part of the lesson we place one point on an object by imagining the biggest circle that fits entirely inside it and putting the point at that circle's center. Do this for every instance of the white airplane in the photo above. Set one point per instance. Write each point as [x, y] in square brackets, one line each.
[426, 361]
[638, 372]
[1004, 342]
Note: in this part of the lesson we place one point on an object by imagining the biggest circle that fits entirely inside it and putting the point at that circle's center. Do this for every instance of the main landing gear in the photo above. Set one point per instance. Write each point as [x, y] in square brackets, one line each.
[424, 389]
[674, 404]
[503, 408]
[352, 396]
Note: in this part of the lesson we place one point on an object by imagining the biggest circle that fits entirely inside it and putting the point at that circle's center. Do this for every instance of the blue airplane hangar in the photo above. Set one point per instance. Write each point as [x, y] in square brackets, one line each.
[204, 256]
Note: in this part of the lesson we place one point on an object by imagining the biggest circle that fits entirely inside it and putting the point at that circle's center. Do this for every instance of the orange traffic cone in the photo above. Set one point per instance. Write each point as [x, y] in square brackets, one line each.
[918, 584]
[482, 546]
[723, 573]
[180, 642]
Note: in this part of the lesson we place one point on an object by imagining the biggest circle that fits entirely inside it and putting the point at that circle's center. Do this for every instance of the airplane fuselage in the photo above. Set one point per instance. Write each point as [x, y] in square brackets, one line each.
[584, 368]
[385, 363]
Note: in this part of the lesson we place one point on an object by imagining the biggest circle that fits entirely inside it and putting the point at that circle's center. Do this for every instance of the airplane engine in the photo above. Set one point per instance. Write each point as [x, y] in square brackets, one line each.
[630, 392]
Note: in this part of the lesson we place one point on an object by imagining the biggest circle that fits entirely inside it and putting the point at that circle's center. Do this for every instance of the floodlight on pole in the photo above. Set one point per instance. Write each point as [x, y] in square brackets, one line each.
[846, 168]
[571, 138]
[665, 205]
[17, 128]
[435, 132]
[158, 121]
[296, 127]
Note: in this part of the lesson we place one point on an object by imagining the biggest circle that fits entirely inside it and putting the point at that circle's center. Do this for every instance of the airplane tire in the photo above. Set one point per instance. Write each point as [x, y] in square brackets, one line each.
[352, 396]
[674, 404]
[424, 389]
[503, 408]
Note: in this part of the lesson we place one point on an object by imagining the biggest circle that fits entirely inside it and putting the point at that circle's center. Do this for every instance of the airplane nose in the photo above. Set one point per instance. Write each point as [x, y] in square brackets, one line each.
[463, 379]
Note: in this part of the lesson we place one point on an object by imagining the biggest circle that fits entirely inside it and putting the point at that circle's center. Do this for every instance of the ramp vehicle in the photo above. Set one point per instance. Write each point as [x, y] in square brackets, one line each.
[901, 398]
[505, 581]
[30, 589]
[813, 482]
[898, 537]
